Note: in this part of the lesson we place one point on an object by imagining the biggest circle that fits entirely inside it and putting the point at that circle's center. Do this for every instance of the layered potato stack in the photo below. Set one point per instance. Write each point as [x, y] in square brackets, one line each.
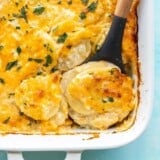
[43, 86]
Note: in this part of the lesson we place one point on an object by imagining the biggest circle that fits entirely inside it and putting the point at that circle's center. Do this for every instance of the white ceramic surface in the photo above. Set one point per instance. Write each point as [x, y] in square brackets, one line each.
[76, 143]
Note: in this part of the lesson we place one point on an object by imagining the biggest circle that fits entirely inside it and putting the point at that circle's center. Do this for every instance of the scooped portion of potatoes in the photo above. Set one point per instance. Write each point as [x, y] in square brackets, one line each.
[98, 94]
[40, 97]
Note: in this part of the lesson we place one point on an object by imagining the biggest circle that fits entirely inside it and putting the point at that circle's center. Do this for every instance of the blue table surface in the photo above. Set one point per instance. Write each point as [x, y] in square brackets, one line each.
[146, 147]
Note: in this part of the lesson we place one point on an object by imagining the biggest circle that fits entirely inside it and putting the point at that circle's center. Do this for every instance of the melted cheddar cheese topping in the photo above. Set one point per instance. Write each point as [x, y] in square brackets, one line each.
[96, 92]
[39, 97]
[39, 37]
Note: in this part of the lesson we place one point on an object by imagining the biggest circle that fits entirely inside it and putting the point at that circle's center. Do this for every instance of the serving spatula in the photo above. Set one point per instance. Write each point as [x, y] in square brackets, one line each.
[111, 49]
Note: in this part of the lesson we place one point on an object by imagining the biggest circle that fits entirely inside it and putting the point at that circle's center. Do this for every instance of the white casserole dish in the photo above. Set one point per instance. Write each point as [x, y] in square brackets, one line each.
[74, 144]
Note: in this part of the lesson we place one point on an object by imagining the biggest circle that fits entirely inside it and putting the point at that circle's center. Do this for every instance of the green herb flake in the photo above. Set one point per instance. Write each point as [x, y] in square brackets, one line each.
[24, 103]
[85, 2]
[92, 7]
[62, 38]
[108, 99]
[69, 46]
[48, 60]
[69, 2]
[47, 46]
[112, 71]
[55, 29]
[37, 60]
[54, 69]
[12, 64]
[3, 18]
[1, 47]
[17, 27]
[11, 95]
[21, 113]
[11, 20]
[59, 2]
[39, 73]
[23, 14]
[110, 15]
[39, 10]
[2, 81]
[6, 120]
[32, 122]
[16, 3]
[82, 15]
[91, 73]
[18, 68]
[18, 50]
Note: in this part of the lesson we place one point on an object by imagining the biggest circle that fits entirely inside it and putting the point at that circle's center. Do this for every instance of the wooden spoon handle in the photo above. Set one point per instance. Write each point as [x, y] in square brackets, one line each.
[123, 8]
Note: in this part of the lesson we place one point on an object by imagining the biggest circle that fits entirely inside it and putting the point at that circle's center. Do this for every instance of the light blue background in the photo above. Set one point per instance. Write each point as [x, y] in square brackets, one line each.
[147, 147]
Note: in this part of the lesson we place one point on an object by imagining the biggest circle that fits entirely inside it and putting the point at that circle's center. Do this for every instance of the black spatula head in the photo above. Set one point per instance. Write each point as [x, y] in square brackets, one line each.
[111, 50]
[112, 47]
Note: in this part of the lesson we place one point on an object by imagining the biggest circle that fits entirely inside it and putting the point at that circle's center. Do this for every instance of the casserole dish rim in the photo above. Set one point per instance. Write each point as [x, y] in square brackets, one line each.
[17, 142]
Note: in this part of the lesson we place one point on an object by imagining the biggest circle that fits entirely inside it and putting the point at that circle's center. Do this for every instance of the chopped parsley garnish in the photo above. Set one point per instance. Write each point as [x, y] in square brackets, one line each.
[2, 81]
[54, 69]
[32, 122]
[47, 46]
[92, 7]
[69, 2]
[6, 120]
[62, 38]
[59, 2]
[108, 99]
[11, 95]
[17, 27]
[24, 103]
[85, 1]
[69, 46]
[39, 73]
[2, 18]
[23, 14]
[112, 71]
[21, 113]
[1, 47]
[55, 29]
[48, 60]
[16, 3]
[110, 15]
[12, 64]
[39, 10]
[11, 20]
[19, 50]
[82, 15]
[18, 68]
[37, 60]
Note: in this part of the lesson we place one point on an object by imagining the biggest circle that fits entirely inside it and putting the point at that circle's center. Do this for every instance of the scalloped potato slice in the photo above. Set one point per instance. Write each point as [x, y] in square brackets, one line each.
[81, 70]
[95, 121]
[62, 114]
[39, 97]
[69, 75]
[99, 92]
[76, 56]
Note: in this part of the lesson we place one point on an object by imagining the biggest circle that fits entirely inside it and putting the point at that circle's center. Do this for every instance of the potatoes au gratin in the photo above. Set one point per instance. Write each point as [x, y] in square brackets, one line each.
[43, 86]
